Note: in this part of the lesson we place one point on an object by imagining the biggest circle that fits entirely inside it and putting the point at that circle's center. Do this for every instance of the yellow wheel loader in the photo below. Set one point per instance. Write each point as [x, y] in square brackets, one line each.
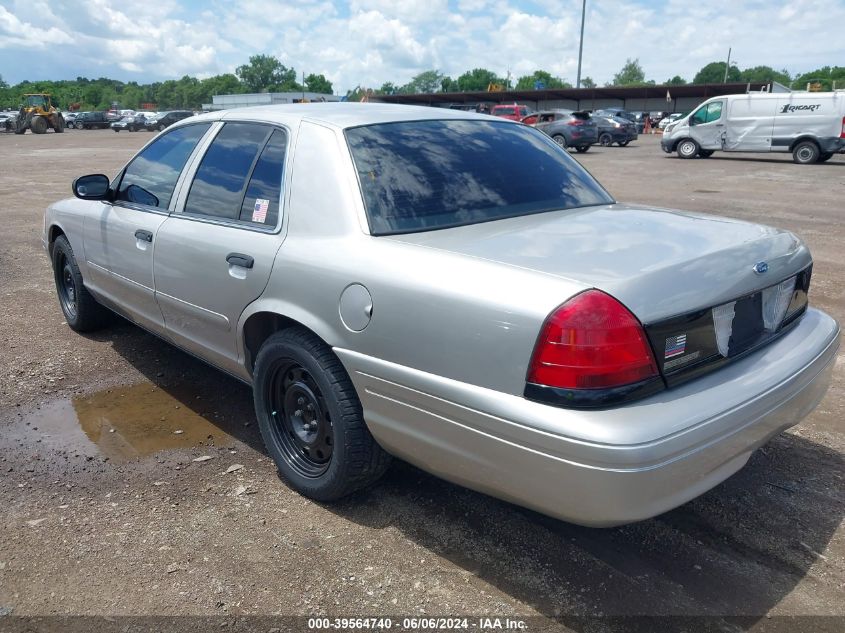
[38, 114]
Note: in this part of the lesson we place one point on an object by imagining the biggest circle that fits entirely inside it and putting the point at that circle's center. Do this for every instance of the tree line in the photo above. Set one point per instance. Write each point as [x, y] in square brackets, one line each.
[265, 73]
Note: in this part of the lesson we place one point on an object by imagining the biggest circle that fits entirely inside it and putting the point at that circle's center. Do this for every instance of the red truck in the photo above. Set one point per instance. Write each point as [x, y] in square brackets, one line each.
[513, 112]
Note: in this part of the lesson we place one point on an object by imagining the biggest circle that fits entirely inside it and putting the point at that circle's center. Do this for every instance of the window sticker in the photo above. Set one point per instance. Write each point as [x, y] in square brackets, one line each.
[259, 211]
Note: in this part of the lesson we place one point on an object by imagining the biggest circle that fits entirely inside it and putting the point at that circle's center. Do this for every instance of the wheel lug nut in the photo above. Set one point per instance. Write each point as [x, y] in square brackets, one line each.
[300, 401]
[297, 413]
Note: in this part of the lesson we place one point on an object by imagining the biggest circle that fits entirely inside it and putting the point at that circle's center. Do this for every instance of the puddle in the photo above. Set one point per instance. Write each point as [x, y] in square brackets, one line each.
[125, 423]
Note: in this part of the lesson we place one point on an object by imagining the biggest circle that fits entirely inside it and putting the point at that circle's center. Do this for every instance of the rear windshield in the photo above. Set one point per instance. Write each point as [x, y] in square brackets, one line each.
[426, 175]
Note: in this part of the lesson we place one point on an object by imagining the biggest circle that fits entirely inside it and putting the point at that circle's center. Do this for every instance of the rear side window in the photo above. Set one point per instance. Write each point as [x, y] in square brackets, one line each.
[151, 176]
[426, 175]
[261, 202]
[220, 182]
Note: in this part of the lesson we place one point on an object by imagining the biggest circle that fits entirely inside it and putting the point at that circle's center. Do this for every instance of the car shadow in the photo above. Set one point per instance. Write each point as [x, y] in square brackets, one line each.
[738, 550]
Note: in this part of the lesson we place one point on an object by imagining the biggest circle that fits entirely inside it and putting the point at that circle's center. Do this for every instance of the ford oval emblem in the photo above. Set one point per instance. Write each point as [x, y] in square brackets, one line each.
[761, 267]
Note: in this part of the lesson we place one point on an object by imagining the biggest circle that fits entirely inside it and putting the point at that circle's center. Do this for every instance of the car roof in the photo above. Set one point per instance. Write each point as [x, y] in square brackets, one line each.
[340, 115]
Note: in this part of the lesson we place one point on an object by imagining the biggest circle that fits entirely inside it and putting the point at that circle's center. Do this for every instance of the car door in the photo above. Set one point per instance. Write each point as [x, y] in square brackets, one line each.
[707, 125]
[214, 256]
[119, 236]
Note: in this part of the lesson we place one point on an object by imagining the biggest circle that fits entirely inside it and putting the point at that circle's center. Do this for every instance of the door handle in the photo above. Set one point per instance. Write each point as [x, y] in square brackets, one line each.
[239, 259]
[144, 235]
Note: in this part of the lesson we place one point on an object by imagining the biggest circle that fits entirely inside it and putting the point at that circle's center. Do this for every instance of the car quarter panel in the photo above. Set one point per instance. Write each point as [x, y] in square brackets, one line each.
[599, 467]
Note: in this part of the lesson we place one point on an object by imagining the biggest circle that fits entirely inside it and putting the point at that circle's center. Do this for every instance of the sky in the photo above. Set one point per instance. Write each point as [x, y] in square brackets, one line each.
[368, 42]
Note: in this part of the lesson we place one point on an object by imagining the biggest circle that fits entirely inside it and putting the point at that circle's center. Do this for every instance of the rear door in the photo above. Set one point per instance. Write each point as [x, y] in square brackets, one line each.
[120, 236]
[214, 256]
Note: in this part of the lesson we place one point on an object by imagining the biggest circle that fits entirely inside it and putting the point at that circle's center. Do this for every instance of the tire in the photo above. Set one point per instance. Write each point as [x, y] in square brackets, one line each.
[160, 128]
[59, 127]
[806, 153]
[38, 125]
[560, 139]
[116, 131]
[687, 148]
[582, 148]
[623, 143]
[605, 139]
[332, 453]
[825, 156]
[705, 153]
[81, 310]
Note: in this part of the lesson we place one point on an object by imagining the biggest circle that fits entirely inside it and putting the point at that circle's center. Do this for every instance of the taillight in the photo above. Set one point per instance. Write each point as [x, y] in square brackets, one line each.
[591, 342]
[574, 122]
[842, 134]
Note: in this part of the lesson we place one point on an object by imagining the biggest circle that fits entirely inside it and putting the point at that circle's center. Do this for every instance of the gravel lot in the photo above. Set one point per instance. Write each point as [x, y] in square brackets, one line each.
[107, 510]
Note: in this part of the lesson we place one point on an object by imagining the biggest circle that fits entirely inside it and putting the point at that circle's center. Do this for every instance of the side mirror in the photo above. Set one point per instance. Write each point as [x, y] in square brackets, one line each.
[92, 187]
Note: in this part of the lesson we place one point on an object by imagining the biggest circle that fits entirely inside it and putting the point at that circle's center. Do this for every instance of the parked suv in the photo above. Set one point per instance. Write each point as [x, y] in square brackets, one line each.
[166, 119]
[614, 129]
[567, 128]
[92, 120]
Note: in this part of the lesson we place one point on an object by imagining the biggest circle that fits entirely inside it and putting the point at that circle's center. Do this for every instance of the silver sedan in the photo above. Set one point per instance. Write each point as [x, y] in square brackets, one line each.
[456, 291]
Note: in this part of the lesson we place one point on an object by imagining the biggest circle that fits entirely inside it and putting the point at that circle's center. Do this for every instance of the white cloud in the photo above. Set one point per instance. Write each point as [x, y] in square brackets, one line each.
[368, 42]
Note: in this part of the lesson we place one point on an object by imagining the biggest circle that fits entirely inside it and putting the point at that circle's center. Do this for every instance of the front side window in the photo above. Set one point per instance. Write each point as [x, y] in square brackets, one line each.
[238, 178]
[707, 113]
[151, 176]
[427, 175]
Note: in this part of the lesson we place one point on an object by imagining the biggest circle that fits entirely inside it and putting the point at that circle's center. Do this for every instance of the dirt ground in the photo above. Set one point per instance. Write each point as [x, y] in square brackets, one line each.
[106, 509]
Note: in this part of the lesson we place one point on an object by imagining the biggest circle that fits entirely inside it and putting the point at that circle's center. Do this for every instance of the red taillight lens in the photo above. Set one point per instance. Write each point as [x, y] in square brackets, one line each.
[842, 135]
[591, 342]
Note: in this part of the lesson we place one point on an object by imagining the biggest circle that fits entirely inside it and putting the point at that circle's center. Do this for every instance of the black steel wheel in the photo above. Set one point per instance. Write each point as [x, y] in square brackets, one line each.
[302, 424]
[311, 419]
[81, 310]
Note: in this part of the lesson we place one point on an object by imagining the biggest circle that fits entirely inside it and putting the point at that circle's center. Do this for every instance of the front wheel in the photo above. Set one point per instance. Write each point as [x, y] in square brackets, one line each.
[687, 148]
[81, 310]
[806, 153]
[161, 128]
[582, 148]
[311, 419]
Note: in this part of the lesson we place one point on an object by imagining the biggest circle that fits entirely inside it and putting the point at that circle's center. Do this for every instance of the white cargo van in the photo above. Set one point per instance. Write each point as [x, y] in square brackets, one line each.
[811, 125]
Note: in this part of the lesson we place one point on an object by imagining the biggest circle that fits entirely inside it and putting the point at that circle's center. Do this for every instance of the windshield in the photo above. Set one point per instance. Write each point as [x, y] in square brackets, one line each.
[427, 175]
[34, 101]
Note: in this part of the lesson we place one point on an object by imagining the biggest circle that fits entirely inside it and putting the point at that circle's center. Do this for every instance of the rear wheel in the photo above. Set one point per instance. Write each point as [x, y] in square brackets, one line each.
[806, 153]
[560, 139]
[582, 148]
[311, 419]
[605, 140]
[705, 153]
[81, 310]
[687, 148]
[38, 125]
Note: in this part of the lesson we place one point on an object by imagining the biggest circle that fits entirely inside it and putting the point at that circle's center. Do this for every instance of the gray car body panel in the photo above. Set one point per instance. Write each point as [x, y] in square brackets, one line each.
[454, 316]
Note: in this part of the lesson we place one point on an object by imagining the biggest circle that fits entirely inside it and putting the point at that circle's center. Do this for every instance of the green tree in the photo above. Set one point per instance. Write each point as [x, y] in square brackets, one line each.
[318, 83]
[824, 76]
[3, 84]
[527, 82]
[587, 82]
[388, 88]
[265, 72]
[765, 74]
[631, 74]
[477, 80]
[426, 82]
[714, 73]
[677, 80]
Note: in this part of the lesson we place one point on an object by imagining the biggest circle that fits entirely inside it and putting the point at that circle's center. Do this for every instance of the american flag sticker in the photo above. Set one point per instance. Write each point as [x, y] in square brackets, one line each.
[675, 346]
[259, 211]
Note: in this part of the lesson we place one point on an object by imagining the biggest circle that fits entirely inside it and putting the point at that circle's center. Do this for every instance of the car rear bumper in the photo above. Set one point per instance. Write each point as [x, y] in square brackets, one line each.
[607, 467]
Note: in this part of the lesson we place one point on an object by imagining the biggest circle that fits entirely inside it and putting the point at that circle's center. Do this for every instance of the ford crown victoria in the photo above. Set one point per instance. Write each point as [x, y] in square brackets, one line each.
[454, 290]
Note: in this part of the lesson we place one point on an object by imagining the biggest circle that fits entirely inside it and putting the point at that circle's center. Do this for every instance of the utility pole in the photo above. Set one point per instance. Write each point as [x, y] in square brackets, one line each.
[727, 66]
[581, 43]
